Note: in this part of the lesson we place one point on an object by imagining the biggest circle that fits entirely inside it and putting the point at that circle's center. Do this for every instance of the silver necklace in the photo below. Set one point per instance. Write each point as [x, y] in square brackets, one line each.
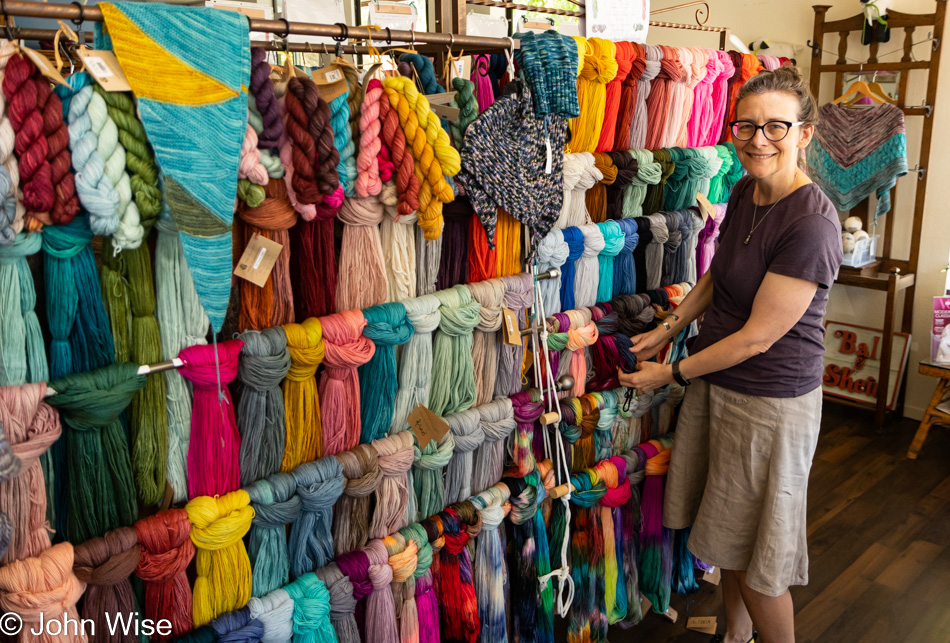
[755, 210]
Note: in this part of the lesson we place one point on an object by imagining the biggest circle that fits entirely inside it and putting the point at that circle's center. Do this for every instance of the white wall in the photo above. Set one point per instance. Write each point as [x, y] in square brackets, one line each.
[792, 21]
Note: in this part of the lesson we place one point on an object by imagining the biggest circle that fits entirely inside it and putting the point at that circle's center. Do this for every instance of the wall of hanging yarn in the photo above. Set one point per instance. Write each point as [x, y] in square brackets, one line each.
[417, 359]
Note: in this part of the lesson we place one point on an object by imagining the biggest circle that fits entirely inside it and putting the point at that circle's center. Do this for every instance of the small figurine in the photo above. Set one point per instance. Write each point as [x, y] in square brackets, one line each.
[875, 21]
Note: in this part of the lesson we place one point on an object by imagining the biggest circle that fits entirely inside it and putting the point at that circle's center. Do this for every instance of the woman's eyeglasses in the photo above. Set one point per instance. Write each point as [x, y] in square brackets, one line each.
[774, 131]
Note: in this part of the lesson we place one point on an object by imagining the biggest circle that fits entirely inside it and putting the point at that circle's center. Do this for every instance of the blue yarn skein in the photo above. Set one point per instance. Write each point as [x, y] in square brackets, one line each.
[275, 506]
[238, 627]
[625, 272]
[388, 326]
[319, 484]
[575, 244]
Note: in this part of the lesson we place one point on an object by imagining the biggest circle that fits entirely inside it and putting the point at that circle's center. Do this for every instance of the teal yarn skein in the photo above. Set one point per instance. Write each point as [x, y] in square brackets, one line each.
[22, 350]
[319, 485]
[276, 505]
[388, 326]
[343, 141]
[613, 245]
[311, 610]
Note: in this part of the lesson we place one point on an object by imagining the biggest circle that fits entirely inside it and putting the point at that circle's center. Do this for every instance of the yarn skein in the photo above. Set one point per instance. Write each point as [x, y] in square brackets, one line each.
[453, 378]
[600, 68]
[275, 611]
[623, 55]
[104, 566]
[342, 603]
[32, 426]
[380, 608]
[166, 550]
[214, 450]
[223, 570]
[346, 348]
[427, 478]
[496, 421]
[22, 349]
[7, 157]
[404, 559]
[490, 295]
[275, 505]
[519, 294]
[468, 434]
[101, 489]
[396, 456]
[387, 326]
[352, 512]
[311, 610]
[362, 282]
[319, 485]
[264, 362]
[304, 437]
[427, 605]
[41, 585]
[237, 627]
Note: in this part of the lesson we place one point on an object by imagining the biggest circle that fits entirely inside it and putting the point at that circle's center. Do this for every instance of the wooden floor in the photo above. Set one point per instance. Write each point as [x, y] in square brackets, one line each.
[878, 542]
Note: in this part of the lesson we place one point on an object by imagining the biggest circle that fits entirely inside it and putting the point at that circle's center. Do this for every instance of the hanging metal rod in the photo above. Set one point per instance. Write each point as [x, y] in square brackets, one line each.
[526, 7]
[703, 10]
[144, 369]
[92, 13]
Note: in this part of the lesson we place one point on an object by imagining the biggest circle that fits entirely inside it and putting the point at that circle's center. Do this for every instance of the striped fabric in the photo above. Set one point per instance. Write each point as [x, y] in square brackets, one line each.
[858, 151]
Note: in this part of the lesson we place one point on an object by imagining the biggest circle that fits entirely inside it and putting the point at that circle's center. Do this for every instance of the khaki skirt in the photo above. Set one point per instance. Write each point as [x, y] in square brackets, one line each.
[739, 475]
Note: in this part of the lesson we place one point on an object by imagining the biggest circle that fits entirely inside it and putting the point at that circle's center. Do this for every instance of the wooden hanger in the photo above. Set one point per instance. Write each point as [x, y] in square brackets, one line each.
[860, 88]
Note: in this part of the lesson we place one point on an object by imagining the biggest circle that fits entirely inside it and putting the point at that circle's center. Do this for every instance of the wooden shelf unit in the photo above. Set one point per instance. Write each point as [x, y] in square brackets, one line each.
[893, 275]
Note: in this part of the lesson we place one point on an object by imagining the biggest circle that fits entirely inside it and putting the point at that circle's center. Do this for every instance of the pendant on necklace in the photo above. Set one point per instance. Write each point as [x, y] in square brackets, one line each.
[746, 242]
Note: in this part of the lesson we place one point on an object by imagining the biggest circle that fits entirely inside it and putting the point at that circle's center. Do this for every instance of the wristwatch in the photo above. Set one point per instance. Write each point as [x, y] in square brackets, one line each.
[680, 379]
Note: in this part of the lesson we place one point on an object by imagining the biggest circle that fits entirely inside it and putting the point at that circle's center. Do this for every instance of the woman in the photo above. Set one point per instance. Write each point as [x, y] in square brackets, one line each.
[749, 423]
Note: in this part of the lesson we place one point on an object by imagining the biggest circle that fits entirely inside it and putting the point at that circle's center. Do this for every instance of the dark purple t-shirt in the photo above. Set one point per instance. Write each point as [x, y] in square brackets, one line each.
[800, 238]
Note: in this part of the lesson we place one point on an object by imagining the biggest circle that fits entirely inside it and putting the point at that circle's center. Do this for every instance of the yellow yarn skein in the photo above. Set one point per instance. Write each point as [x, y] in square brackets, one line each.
[433, 189]
[223, 581]
[437, 137]
[600, 67]
[304, 430]
[583, 50]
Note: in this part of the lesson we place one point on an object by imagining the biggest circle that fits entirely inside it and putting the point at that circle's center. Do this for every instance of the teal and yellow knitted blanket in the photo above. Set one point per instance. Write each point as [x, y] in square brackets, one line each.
[189, 69]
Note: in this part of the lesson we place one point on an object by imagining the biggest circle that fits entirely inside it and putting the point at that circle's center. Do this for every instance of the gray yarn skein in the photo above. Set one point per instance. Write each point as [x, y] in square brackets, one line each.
[497, 421]
[342, 603]
[654, 252]
[9, 468]
[319, 484]
[468, 433]
[276, 505]
[263, 364]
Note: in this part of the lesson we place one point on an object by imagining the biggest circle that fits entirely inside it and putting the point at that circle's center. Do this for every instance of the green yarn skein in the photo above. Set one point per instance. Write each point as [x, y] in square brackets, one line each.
[101, 490]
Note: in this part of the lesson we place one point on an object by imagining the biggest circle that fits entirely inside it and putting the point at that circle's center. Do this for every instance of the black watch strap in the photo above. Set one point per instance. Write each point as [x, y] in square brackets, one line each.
[680, 379]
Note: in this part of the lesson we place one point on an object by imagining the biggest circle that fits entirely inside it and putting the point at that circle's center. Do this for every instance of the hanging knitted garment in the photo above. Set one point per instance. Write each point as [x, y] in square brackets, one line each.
[857, 152]
[319, 485]
[201, 199]
[548, 63]
[491, 165]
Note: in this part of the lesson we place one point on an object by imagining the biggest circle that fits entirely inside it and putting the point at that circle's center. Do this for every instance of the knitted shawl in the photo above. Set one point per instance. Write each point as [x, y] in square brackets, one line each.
[857, 152]
[190, 68]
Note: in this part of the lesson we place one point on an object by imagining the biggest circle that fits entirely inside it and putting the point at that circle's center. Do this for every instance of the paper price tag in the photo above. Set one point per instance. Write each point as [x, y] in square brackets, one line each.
[512, 334]
[704, 624]
[645, 604]
[330, 82]
[706, 208]
[46, 68]
[463, 67]
[397, 9]
[105, 68]
[671, 614]
[258, 260]
[444, 98]
[427, 426]
[712, 575]
[450, 114]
